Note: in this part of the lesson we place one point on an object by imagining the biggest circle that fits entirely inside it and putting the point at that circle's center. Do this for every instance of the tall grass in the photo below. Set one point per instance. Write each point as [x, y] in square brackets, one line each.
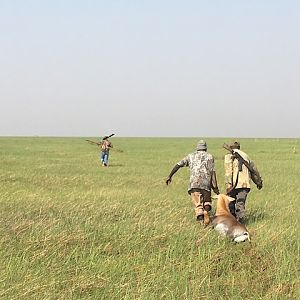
[71, 229]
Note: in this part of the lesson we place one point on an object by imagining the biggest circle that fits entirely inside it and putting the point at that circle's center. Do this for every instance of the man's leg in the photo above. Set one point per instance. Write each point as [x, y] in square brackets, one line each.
[102, 157]
[232, 204]
[206, 202]
[196, 200]
[105, 159]
[240, 204]
[231, 207]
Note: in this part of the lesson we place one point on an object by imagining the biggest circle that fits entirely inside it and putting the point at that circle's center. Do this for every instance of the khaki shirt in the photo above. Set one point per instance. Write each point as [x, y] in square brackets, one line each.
[232, 170]
[202, 167]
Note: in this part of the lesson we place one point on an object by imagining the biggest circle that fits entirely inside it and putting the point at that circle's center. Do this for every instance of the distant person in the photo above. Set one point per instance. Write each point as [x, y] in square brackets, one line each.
[238, 178]
[105, 146]
[202, 180]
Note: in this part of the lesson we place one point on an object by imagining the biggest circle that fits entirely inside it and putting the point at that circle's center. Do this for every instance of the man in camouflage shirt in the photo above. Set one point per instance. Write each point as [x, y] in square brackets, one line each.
[238, 181]
[202, 179]
[105, 146]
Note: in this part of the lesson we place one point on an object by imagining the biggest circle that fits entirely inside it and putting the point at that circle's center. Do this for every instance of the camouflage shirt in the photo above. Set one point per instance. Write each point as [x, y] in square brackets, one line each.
[105, 146]
[202, 166]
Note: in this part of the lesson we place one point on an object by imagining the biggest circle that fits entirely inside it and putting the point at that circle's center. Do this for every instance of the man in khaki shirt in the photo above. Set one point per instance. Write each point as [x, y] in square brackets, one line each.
[238, 179]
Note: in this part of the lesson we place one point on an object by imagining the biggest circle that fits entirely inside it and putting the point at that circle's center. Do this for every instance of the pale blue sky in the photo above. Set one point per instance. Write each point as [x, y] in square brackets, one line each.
[150, 68]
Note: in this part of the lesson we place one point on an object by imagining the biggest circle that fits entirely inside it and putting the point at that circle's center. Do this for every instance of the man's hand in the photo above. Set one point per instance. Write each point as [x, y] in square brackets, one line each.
[216, 190]
[259, 186]
[168, 180]
[228, 189]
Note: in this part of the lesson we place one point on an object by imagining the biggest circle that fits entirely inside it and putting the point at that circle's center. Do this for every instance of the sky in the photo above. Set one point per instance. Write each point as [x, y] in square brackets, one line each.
[150, 68]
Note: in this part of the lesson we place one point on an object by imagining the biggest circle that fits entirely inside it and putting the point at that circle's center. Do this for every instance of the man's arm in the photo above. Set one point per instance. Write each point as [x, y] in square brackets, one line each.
[228, 166]
[174, 170]
[214, 183]
[255, 176]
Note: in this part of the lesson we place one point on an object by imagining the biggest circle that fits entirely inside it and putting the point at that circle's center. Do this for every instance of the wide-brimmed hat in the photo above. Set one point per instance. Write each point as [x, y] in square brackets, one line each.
[235, 145]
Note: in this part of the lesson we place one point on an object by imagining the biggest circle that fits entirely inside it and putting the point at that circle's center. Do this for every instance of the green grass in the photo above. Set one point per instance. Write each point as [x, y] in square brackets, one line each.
[71, 229]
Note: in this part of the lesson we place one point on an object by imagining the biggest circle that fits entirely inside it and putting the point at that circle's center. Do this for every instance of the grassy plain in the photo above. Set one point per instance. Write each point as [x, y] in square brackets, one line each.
[71, 229]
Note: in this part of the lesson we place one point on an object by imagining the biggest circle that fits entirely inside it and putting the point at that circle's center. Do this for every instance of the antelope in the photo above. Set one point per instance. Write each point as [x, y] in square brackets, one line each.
[226, 224]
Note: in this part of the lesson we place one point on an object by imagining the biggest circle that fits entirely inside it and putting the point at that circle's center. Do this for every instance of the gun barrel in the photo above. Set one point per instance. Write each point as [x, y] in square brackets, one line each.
[92, 142]
[225, 146]
[108, 136]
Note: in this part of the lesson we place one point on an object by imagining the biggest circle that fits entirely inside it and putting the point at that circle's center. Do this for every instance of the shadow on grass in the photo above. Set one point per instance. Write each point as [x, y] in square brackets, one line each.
[254, 216]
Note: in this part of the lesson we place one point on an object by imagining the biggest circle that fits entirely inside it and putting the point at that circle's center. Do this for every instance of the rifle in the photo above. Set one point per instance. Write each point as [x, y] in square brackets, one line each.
[99, 144]
[104, 138]
[108, 136]
[92, 142]
[254, 174]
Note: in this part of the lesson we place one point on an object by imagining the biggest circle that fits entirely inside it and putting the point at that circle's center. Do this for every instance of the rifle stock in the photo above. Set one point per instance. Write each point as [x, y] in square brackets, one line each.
[117, 150]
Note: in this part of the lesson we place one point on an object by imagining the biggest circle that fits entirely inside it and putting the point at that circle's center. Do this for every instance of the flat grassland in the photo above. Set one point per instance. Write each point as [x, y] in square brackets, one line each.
[71, 229]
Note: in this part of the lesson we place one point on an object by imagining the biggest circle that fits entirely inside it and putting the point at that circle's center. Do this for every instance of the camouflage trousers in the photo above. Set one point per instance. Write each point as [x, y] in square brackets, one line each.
[201, 200]
[237, 207]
